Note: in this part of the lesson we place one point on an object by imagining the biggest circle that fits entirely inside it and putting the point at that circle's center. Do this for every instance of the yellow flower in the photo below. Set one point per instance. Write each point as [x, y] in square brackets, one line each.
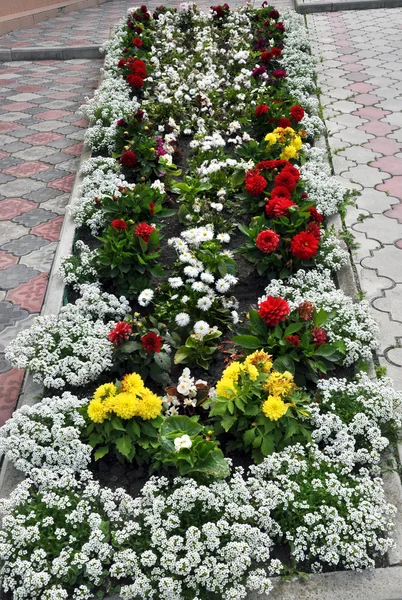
[270, 138]
[125, 405]
[232, 371]
[252, 372]
[288, 152]
[261, 360]
[274, 408]
[225, 388]
[149, 406]
[297, 142]
[280, 384]
[96, 411]
[132, 383]
[105, 391]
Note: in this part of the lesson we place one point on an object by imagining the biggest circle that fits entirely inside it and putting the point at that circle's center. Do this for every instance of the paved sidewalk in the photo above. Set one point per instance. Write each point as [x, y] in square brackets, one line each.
[40, 144]
[361, 81]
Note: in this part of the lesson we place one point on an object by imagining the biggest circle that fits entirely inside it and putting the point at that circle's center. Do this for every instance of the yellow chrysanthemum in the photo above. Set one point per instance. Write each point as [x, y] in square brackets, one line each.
[261, 360]
[132, 383]
[252, 372]
[149, 406]
[233, 371]
[105, 391]
[288, 152]
[274, 408]
[225, 388]
[271, 139]
[280, 384]
[96, 411]
[125, 405]
[297, 142]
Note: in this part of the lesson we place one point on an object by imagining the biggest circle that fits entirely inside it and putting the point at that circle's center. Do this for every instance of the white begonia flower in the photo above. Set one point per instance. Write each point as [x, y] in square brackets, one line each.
[145, 297]
[182, 319]
[182, 442]
[218, 206]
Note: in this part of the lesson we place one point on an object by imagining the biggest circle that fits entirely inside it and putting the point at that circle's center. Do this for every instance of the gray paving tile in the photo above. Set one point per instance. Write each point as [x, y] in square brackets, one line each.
[34, 217]
[10, 314]
[14, 275]
[24, 244]
[43, 194]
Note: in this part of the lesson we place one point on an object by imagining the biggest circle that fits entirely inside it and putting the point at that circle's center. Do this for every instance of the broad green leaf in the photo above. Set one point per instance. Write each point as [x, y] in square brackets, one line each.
[284, 363]
[292, 328]
[228, 421]
[267, 446]
[250, 342]
[101, 452]
[181, 355]
[124, 445]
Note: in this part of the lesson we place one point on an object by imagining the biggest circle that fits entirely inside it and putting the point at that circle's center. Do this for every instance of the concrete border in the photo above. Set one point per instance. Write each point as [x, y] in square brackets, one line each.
[305, 8]
[51, 53]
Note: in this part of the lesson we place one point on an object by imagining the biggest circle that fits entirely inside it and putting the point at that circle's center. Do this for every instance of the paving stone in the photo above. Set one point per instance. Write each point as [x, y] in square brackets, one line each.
[386, 261]
[390, 164]
[43, 194]
[394, 355]
[391, 302]
[381, 228]
[49, 231]
[30, 295]
[354, 136]
[366, 175]
[10, 386]
[34, 217]
[15, 147]
[10, 313]
[10, 231]
[46, 126]
[7, 259]
[375, 201]
[57, 205]
[13, 207]
[4, 364]
[35, 153]
[19, 187]
[392, 186]
[26, 169]
[378, 128]
[15, 275]
[40, 259]
[383, 145]
[359, 154]
[25, 244]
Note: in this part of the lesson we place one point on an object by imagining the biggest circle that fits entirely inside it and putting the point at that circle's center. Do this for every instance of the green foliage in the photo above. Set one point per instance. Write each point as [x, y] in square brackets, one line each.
[198, 350]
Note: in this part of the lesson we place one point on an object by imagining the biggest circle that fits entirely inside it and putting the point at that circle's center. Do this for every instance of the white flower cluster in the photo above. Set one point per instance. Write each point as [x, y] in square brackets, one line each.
[71, 349]
[347, 320]
[46, 435]
[324, 190]
[187, 387]
[79, 268]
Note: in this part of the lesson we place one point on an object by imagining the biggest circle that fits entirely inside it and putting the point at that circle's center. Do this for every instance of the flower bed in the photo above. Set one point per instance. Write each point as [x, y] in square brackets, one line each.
[204, 334]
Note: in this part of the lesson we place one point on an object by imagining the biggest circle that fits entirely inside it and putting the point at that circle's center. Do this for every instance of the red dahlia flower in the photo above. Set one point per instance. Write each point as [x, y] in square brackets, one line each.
[119, 224]
[273, 14]
[273, 310]
[279, 73]
[304, 245]
[272, 164]
[135, 81]
[120, 332]
[255, 183]
[280, 26]
[152, 342]
[143, 230]
[276, 52]
[314, 229]
[122, 63]
[265, 57]
[286, 179]
[297, 113]
[294, 340]
[278, 207]
[319, 336]
[267, 241]
[260, 110]
[284, 122]
[280, 191]
[315, 216]
[137, 42]
[128, 159]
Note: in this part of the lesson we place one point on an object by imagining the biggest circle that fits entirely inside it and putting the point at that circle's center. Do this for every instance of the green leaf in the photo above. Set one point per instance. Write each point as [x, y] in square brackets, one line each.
[247, 341]
[292, 328]
[128, 347]
[101, 452]
[284, 363]
[179, 424]
[258, 324]
[248, 436]
[124, 445]
[237, 179]
[163, 360]
[319, 317]
[228, 421]
[325, 350]
[181, 355]
[267, 446]
[117, 424]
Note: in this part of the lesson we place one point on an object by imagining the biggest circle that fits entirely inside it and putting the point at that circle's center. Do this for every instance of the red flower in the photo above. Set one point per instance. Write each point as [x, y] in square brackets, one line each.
[306, 310]
[152, 208]
[137, 42]
[143, 230]
[137, 67]
[267, 241]
[276, 52]
[135, 81]
[152, 342]
[294, 340]
[280, 191]
[280, 26]
[314, 229]
[272, 164]
[255, 183]
[120, 332]
[304, 195]
[286, 179]
[278, 207]
[128, 159]
[292, 171]
[260, 110]
[304, 245]
[315, 216]
[297, 113]
[273, 310]
[284, 122]
[122, 63]
[319, 336]
[119, 224]
[273, 14]
[279, 73]
[265, 57]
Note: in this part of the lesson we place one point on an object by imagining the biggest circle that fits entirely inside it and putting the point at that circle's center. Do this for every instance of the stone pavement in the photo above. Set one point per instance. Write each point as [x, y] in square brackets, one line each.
[40, 144]
[360, 75]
